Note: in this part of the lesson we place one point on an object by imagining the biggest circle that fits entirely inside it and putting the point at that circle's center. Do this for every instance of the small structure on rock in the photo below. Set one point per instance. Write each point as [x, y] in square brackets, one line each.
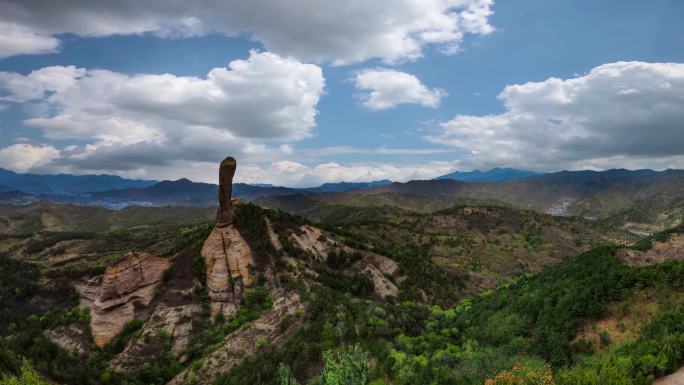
[226, 253]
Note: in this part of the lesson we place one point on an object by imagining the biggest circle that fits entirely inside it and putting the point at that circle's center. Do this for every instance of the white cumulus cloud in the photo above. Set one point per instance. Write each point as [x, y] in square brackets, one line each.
[23, 157]
[617, 114]
[386, 88]
[129, 122]
[17, 40]
[339, 32]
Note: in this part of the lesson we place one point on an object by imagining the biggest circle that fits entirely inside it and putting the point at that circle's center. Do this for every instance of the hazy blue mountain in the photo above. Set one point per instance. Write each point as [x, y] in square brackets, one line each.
[65, 183]
[186, 192]
[493, 175]
[116, 192]
[345, 186]
[180, 192]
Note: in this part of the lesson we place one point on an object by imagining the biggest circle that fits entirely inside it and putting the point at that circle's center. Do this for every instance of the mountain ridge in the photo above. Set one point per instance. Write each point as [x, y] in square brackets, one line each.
[67, 184]
[493, 175]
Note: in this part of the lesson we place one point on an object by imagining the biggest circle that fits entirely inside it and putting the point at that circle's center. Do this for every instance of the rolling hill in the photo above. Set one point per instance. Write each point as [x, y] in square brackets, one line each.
[608, 195]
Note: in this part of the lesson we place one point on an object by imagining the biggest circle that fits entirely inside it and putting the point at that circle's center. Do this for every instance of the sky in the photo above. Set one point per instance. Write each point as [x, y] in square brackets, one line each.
[304, 92]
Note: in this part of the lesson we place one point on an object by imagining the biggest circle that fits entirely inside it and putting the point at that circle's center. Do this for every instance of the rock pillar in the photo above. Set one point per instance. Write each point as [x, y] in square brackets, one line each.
[225, 213]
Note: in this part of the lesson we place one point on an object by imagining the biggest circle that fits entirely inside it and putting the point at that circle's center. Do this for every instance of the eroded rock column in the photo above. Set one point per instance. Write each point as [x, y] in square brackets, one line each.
[226, 253]
[225, 212]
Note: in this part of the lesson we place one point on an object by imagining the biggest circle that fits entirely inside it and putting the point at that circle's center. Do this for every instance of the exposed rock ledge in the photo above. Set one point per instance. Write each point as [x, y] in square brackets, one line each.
[245, 341]
[315, 242]
[70, 337]
[129, 281]
[174, 320]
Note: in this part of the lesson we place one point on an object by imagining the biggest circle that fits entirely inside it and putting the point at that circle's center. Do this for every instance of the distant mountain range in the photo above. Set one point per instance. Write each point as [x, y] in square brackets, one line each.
[65, 184]
[642, 198]
[619, 195]
[186, 192]
[493, 175]
[346, 186]
[116, 192]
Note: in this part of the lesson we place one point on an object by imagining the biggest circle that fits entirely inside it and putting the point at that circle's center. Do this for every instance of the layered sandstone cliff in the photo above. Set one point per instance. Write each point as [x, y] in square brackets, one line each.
[128, 283]
[228, 259]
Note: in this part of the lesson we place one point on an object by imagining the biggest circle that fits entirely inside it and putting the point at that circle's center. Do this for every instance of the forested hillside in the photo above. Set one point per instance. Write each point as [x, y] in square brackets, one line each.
[469, 295]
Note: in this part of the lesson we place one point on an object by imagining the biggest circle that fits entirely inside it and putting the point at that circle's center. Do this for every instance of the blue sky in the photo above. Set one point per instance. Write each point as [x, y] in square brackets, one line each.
[434, 111]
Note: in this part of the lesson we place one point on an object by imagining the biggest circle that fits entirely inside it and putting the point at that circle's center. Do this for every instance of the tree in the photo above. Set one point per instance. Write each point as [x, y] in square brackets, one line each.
[285, 375]
[28, 377]
[350, 367]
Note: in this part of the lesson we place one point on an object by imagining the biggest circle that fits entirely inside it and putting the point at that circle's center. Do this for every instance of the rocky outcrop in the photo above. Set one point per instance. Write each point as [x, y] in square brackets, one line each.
[88, 290]
[312, 240]
[672, 249]
[175, 321]
[70, 337]
[384, 264]
[228, 259]
[383, 287]
[128, 283]
[676, 378]
[246, 341]
[379, 269]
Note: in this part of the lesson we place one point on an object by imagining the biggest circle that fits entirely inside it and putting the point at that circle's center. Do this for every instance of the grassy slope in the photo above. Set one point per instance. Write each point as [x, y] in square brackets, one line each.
[489, 243]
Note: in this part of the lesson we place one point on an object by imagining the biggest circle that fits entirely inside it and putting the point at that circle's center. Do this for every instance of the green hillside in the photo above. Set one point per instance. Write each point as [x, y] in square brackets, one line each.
[484, 244]
[485, 294]
[533, 329]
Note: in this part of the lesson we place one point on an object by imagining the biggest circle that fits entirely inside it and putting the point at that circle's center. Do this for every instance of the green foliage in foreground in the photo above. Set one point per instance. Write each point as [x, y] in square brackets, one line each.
[531, 321]
[28, 376]
[348, 368]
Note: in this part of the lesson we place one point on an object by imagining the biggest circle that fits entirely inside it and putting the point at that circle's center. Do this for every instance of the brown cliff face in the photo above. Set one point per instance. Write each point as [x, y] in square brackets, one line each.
[129, 281]
[228, 260]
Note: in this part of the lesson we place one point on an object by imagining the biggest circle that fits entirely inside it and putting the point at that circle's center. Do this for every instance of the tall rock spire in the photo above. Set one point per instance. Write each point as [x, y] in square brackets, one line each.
[225, 214]
[226, 254]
